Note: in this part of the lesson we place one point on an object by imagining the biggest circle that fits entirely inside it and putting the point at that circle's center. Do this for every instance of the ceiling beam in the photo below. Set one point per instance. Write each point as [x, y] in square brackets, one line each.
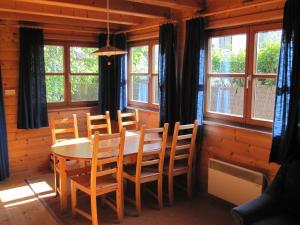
[58, 12]
[190, 5]
[52, 20]
[116, 6]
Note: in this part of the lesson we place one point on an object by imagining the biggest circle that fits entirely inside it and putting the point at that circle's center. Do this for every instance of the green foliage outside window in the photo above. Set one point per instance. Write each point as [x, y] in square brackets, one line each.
[267, 61]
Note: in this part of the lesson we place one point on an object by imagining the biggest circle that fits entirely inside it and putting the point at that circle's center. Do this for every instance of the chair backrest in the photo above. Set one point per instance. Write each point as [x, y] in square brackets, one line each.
[152, 148]
[131, 119]
[93, 126]
[183, 145]
[113, 163]
[62, 127]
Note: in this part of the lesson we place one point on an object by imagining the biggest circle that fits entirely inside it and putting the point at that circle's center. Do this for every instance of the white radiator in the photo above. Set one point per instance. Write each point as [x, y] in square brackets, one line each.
[233, 183]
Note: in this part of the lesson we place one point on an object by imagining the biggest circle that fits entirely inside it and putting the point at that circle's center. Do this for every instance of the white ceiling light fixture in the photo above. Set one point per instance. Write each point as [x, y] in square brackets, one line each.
[108, 50]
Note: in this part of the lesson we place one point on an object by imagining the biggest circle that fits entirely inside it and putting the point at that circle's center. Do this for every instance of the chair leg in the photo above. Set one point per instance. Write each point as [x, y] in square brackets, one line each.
[189, 184]
[120, 205]
[73, 198]
[160, 193]
[138, 198]
[94, 210]
[171, 189]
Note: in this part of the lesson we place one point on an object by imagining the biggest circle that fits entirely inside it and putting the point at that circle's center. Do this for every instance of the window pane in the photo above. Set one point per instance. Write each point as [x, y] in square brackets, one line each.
[139, 85]
[54, 59]
[82, 61]
[139, 59]
[228, 54]
[264, 99]
[267, 52]
[55, 88]
[226, 96]
[155, 90]
[84, 88]
[155, 58]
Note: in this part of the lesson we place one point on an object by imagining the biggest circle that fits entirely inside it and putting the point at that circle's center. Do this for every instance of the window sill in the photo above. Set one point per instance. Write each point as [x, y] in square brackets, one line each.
[142, 109]
[247, 127]
[69, 108]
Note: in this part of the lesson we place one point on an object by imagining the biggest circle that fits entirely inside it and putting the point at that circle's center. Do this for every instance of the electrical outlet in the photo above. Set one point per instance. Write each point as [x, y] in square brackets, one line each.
[10, 92]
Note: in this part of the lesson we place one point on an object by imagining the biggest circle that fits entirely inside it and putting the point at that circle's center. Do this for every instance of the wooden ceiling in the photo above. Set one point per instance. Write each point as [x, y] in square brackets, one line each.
[90, 15]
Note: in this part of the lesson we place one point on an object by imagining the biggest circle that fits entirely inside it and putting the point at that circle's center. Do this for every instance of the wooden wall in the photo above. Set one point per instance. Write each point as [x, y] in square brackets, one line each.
[240, 146]
[29, 150]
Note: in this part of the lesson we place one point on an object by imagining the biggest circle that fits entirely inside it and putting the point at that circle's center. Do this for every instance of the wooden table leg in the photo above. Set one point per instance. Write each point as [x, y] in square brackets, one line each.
[63, 185]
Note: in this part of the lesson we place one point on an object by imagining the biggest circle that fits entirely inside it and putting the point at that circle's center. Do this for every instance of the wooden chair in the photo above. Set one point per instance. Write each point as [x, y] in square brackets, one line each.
[108, 179]
[181, 156]
[59, 127]
[150, 139]
[67, 126]
[134, 122]
[92, 127]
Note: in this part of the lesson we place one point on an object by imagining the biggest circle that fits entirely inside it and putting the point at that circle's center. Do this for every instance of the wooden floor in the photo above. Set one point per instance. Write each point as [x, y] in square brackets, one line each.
[20, 206]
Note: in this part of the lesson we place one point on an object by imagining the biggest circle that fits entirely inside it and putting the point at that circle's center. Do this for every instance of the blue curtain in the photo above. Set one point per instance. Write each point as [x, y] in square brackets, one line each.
[112, 77]
[32, 104]
[192, 88]
[167, 76]
[4, 167]
[286, 127]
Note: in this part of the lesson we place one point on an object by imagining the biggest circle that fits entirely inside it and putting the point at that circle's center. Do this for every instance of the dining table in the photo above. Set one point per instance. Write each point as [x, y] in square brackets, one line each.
[81, 149]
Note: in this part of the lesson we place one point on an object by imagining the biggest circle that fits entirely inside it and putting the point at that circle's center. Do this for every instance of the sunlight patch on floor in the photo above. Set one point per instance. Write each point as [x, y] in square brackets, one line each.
[24, 194]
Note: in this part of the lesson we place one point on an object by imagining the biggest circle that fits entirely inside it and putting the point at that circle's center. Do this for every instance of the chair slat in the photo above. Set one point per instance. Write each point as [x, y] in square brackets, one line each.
[100, 126]
[106, 172]
[108, 160]
[127, 123]
[182, 147]
[183, 137]
[64, 130]
[150, 162]
[127, 115]
[98, 117]
[186, 127]
[180, 157]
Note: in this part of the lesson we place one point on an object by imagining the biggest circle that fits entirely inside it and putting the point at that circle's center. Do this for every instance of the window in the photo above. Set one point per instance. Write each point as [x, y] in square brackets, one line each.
[71, 74]
[241, 77]
[143, 75]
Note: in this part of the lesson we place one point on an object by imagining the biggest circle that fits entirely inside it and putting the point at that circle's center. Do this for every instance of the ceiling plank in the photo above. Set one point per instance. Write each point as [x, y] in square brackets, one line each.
[116, 6]
[190, 5]
[58, 12]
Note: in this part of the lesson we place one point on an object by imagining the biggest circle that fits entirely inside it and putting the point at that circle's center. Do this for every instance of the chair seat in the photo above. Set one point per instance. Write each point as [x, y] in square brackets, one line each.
[102, 183]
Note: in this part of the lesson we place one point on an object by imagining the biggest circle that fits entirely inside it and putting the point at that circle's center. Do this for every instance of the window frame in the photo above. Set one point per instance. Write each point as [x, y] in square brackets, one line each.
[250, 32]
[67, 75]
[151, 75]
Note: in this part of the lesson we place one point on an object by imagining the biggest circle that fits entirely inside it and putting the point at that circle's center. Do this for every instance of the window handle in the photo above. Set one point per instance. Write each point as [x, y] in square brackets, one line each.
[249, 78]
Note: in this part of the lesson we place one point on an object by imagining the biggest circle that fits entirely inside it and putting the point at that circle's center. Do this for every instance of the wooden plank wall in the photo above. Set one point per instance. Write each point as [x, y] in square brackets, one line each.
[28, 149]
[244, 147]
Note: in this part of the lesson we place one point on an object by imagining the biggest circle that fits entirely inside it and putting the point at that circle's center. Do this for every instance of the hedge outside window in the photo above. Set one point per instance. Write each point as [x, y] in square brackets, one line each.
[242, 69]
[71, 75]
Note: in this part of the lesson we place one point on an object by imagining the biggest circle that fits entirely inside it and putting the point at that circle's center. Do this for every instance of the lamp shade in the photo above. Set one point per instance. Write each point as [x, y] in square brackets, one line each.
[109, 51]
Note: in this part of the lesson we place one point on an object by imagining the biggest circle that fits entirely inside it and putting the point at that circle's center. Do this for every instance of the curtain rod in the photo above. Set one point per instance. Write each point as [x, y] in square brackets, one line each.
[249, 5]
